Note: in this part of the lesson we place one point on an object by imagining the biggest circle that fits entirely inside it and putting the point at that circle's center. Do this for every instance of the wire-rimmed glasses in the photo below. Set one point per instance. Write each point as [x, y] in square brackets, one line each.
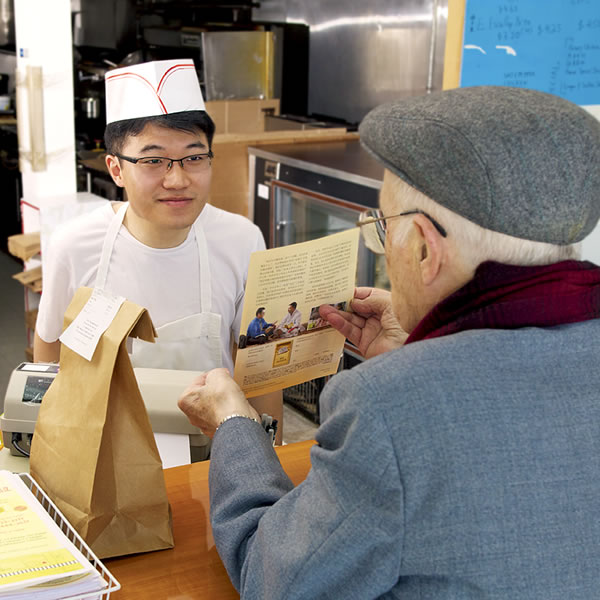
[373, 226]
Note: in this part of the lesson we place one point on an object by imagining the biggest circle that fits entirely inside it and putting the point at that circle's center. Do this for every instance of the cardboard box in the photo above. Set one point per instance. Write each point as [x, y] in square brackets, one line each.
[229, 188]
[24, 245]
[241, 116]
[31, 279]
[31, 318]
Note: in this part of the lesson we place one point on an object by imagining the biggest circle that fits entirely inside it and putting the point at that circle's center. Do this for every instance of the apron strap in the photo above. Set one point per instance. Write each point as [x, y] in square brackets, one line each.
[203, 262]
[205, 279]
[107, 246]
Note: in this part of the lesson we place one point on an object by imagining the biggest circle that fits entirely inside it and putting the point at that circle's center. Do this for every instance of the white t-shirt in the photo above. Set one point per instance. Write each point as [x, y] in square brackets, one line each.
[294, 319]
[290, 324]
[165, 281]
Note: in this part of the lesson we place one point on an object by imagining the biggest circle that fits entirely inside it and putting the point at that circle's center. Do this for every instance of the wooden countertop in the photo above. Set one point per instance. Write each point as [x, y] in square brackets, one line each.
[192, 570]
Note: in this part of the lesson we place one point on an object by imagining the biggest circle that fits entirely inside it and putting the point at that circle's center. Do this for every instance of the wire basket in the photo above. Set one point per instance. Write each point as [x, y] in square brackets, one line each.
[67, 529]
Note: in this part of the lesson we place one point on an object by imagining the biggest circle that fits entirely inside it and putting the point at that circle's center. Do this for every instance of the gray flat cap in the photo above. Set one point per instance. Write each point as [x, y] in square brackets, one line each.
[513, 160]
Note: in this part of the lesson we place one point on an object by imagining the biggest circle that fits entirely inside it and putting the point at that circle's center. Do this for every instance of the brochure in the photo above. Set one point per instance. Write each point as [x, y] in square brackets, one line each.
[37, 560]
[283, 341]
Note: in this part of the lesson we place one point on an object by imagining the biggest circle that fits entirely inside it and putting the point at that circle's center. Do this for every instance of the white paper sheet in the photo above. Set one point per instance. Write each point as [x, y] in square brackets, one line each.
[174, 449]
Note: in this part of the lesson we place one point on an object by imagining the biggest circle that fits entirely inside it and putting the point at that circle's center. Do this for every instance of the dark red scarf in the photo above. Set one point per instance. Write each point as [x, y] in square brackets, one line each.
[507, 297]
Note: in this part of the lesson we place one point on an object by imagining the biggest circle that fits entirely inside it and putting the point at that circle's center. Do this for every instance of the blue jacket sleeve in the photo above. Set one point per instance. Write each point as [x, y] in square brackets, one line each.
[336, 535]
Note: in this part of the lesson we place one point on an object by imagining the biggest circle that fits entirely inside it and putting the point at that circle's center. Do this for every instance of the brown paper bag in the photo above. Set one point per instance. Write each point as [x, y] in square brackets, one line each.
[93, 450]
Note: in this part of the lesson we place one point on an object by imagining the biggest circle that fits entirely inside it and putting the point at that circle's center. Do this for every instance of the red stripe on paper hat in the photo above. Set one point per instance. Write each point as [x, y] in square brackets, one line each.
[153, 88]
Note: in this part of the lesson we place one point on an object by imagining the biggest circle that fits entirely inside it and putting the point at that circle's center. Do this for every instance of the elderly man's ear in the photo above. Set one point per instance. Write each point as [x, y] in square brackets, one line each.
[431, 248]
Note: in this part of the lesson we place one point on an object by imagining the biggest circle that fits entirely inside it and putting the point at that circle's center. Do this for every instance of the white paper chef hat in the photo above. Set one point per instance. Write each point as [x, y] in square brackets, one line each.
[153, 88]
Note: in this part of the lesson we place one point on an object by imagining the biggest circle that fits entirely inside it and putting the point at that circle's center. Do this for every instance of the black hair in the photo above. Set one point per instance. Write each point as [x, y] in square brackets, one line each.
[294, 304]
[191, 121]
[259, 310]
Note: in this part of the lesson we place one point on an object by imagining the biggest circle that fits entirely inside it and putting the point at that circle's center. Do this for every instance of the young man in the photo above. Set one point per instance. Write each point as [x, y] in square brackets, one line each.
[466, 462]
[259, 330]
[166, 249]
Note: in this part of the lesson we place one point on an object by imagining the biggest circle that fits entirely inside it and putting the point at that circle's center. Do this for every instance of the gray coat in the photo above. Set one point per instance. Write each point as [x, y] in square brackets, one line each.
[464, 467]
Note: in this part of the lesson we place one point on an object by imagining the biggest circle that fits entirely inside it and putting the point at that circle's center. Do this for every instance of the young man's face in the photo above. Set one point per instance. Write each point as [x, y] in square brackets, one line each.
[163, 203]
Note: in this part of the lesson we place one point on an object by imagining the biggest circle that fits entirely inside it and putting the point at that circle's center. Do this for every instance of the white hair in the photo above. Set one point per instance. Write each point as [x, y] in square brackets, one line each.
[474, 244]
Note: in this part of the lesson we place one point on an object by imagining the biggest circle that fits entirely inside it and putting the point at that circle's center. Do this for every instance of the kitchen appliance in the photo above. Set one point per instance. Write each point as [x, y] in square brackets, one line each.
[260, 62]
[362, 55]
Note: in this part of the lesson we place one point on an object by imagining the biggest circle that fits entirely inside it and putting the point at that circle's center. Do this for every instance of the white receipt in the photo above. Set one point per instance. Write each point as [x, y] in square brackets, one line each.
[83, 334]
[37, 367]
[174, 449]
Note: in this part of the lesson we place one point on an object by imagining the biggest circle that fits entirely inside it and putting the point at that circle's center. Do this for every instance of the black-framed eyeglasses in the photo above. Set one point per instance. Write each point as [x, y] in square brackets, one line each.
[160, 165]
[373, 226]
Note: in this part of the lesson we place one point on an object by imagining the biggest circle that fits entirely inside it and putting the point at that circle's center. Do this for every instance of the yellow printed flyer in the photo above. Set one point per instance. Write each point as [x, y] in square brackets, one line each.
[283, 341]
[33, 550]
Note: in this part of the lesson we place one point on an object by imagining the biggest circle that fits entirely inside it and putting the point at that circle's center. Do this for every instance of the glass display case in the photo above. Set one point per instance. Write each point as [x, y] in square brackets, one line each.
[306, 191]
[300, 215]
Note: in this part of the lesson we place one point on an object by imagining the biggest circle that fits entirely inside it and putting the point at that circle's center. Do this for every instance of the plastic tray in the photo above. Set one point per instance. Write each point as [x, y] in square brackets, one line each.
[67, 529]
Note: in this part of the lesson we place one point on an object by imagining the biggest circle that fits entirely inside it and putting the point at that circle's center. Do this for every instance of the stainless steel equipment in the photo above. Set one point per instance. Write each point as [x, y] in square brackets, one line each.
[230, 64]
[105, 24]
[365, 53]
[292, 122]
[7, 23]
[238, 64]
[90, 105]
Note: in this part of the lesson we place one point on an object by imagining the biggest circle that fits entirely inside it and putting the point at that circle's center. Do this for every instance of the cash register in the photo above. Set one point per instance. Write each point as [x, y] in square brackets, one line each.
[160, 390]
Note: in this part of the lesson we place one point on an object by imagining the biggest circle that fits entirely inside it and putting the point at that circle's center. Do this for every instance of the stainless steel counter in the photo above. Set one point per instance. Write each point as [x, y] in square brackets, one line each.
[346, 160]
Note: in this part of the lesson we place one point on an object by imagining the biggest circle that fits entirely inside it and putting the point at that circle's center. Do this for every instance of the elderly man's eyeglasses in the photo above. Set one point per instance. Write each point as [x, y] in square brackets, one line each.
[160, 165]
[373, 226]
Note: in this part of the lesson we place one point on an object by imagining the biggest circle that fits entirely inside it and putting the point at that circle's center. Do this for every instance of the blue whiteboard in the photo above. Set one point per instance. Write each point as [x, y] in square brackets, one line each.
[547, 45]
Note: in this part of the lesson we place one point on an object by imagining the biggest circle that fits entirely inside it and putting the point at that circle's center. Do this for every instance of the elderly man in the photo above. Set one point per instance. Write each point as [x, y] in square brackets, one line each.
[464, 463]
[291, 324]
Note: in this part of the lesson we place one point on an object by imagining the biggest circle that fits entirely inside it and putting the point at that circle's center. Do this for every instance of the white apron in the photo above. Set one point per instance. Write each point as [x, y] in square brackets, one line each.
[192, 343]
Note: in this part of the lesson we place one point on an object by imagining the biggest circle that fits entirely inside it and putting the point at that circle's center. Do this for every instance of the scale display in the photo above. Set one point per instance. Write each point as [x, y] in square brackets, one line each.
[35, 388]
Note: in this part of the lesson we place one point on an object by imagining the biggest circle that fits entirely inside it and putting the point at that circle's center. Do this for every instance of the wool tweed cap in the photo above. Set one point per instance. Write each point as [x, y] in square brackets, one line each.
[516, 161]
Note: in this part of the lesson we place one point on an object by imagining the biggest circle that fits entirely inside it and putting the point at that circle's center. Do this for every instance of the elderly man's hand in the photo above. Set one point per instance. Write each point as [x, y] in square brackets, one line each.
[211, 397]
[372, 327]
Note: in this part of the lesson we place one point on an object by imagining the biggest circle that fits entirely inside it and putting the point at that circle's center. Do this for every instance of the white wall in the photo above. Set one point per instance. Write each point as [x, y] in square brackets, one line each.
[591, 245]
[44, 39]
[44, 42]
